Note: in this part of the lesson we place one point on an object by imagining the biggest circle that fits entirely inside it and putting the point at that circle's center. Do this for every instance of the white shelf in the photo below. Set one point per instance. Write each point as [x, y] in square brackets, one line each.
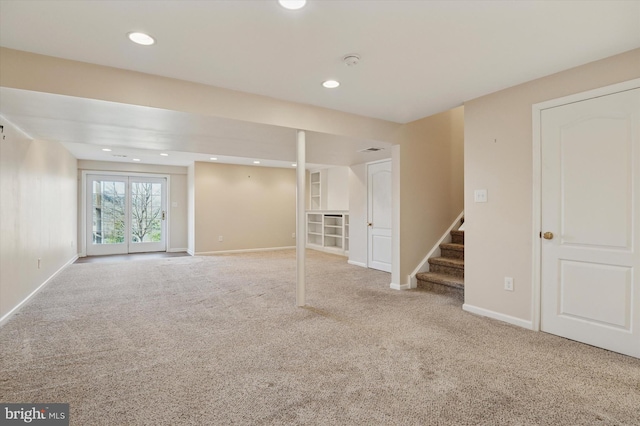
[328, 231]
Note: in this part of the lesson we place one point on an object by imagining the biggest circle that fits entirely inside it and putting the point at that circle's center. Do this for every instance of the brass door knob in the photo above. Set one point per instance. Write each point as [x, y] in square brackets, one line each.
[369, 224]
[548, 235]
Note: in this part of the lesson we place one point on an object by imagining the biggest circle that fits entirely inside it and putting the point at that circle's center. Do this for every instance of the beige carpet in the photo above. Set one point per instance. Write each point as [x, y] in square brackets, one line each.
[218, 341]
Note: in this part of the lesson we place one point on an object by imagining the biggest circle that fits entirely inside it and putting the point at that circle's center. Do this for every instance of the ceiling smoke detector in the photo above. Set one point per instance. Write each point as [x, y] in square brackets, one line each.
[372, 149]
[351, 60]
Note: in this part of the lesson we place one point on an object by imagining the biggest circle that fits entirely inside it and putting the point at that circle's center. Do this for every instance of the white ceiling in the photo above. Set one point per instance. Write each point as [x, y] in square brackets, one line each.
[417, 58]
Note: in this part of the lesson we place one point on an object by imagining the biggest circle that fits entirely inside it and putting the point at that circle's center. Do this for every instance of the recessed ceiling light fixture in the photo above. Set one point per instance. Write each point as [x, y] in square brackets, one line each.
[141, 38]
[136, 159]
[106, 149]
[292, 4]
[330, 84]
[256, 162]
[213, 158]
[164, 154]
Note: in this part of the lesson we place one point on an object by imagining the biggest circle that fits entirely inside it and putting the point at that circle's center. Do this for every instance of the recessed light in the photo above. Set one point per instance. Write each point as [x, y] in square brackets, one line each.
[256, 162]
[141, 38]
[292, 4]
[106, 149]
[213, 158]
[164, 154]
[331, 84]
[136, 159]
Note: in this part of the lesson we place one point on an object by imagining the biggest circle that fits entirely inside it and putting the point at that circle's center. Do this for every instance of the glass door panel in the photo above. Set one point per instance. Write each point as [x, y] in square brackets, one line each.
[147, 215]
[106, 215]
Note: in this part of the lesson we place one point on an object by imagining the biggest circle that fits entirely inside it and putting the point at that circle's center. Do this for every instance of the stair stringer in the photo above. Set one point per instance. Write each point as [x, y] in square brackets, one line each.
[423, 266]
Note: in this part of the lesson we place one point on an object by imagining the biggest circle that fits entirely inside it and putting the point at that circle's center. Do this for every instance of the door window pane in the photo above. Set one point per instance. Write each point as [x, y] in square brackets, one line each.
[108, 212]
[146, 212]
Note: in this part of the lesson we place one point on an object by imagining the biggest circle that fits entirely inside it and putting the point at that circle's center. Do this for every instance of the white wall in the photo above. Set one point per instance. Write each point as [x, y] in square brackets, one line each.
[358, 215]
[337, 188]
[38, 187]
[499, 157]
[178, 193]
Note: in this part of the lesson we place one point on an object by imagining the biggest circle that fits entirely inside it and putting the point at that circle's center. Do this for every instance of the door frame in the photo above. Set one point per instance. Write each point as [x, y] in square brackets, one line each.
[536, 283]
[82, 234]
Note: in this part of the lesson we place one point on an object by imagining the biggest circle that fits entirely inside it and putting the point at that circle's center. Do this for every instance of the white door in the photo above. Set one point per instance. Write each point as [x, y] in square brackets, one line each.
[591, 217]
[379, 215]
[125, 214]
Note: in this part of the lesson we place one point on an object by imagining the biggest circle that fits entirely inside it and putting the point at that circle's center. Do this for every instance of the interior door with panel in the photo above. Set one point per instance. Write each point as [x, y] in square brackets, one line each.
[590, 258]
[379, 215]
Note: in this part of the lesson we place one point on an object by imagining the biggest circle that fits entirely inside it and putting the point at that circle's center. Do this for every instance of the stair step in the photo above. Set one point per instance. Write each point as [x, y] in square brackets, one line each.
[452, 250]
[446, 265]
[457, 237]
[441, 284]
[442, 279]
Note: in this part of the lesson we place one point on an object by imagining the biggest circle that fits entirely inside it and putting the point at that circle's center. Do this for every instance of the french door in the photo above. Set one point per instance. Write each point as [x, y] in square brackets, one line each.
[125, 214]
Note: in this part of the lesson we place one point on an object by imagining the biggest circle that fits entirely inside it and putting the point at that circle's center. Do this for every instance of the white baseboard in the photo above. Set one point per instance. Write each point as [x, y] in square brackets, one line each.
[16, 308]
[423, 266]
[205, 253]
[498, 316]
[353, 262]
[191, 252]
[177, 250]
[395, 286]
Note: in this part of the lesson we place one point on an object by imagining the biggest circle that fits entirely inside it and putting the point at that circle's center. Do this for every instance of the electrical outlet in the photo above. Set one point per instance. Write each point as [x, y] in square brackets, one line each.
[508, 283]
[293, 235]
[220, 238]
[480, 196]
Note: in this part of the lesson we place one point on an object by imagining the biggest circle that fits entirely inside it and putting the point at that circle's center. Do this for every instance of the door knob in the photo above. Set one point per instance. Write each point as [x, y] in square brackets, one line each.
[369, 224]
[548, 235]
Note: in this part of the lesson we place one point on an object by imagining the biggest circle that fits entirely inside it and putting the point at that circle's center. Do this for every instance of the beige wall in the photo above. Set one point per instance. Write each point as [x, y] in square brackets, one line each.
[498, 157]
[431, 184]
[177, 194]
[38, 187]
[250, 207]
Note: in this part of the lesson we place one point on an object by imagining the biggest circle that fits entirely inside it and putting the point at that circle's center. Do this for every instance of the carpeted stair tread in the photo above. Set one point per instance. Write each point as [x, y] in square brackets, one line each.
[452, 246]
[447, 261]
[442, 279]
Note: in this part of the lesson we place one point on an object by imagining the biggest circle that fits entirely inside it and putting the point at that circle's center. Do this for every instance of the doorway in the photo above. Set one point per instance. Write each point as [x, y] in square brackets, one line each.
[125, 214]
[590, 227]
[379, 205]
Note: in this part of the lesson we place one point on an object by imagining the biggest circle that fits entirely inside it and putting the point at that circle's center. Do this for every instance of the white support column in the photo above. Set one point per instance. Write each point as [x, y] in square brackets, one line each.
[301, 175]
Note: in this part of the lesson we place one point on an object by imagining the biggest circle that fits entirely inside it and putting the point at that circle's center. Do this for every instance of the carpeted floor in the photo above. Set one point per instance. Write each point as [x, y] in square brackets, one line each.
[217, 341]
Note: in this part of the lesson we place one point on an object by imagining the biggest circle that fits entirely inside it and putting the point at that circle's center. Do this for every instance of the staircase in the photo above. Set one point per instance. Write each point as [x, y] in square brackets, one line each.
[446, 273]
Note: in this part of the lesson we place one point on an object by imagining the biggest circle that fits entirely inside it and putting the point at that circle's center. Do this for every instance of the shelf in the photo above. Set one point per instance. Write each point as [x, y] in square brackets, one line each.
[328, 231]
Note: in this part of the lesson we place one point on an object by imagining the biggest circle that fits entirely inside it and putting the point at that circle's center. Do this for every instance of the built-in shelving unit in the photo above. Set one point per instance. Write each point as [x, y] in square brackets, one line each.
[328, 231]
[315, 189]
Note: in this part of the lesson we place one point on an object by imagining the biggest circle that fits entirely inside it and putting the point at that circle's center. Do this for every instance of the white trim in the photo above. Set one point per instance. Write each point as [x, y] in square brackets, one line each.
[178, 250]
[498, 316]
[9, 314]
[536, 284]
[434, 252]
[191, 252]
[205, 253]
[395, 286]
[353, 262]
